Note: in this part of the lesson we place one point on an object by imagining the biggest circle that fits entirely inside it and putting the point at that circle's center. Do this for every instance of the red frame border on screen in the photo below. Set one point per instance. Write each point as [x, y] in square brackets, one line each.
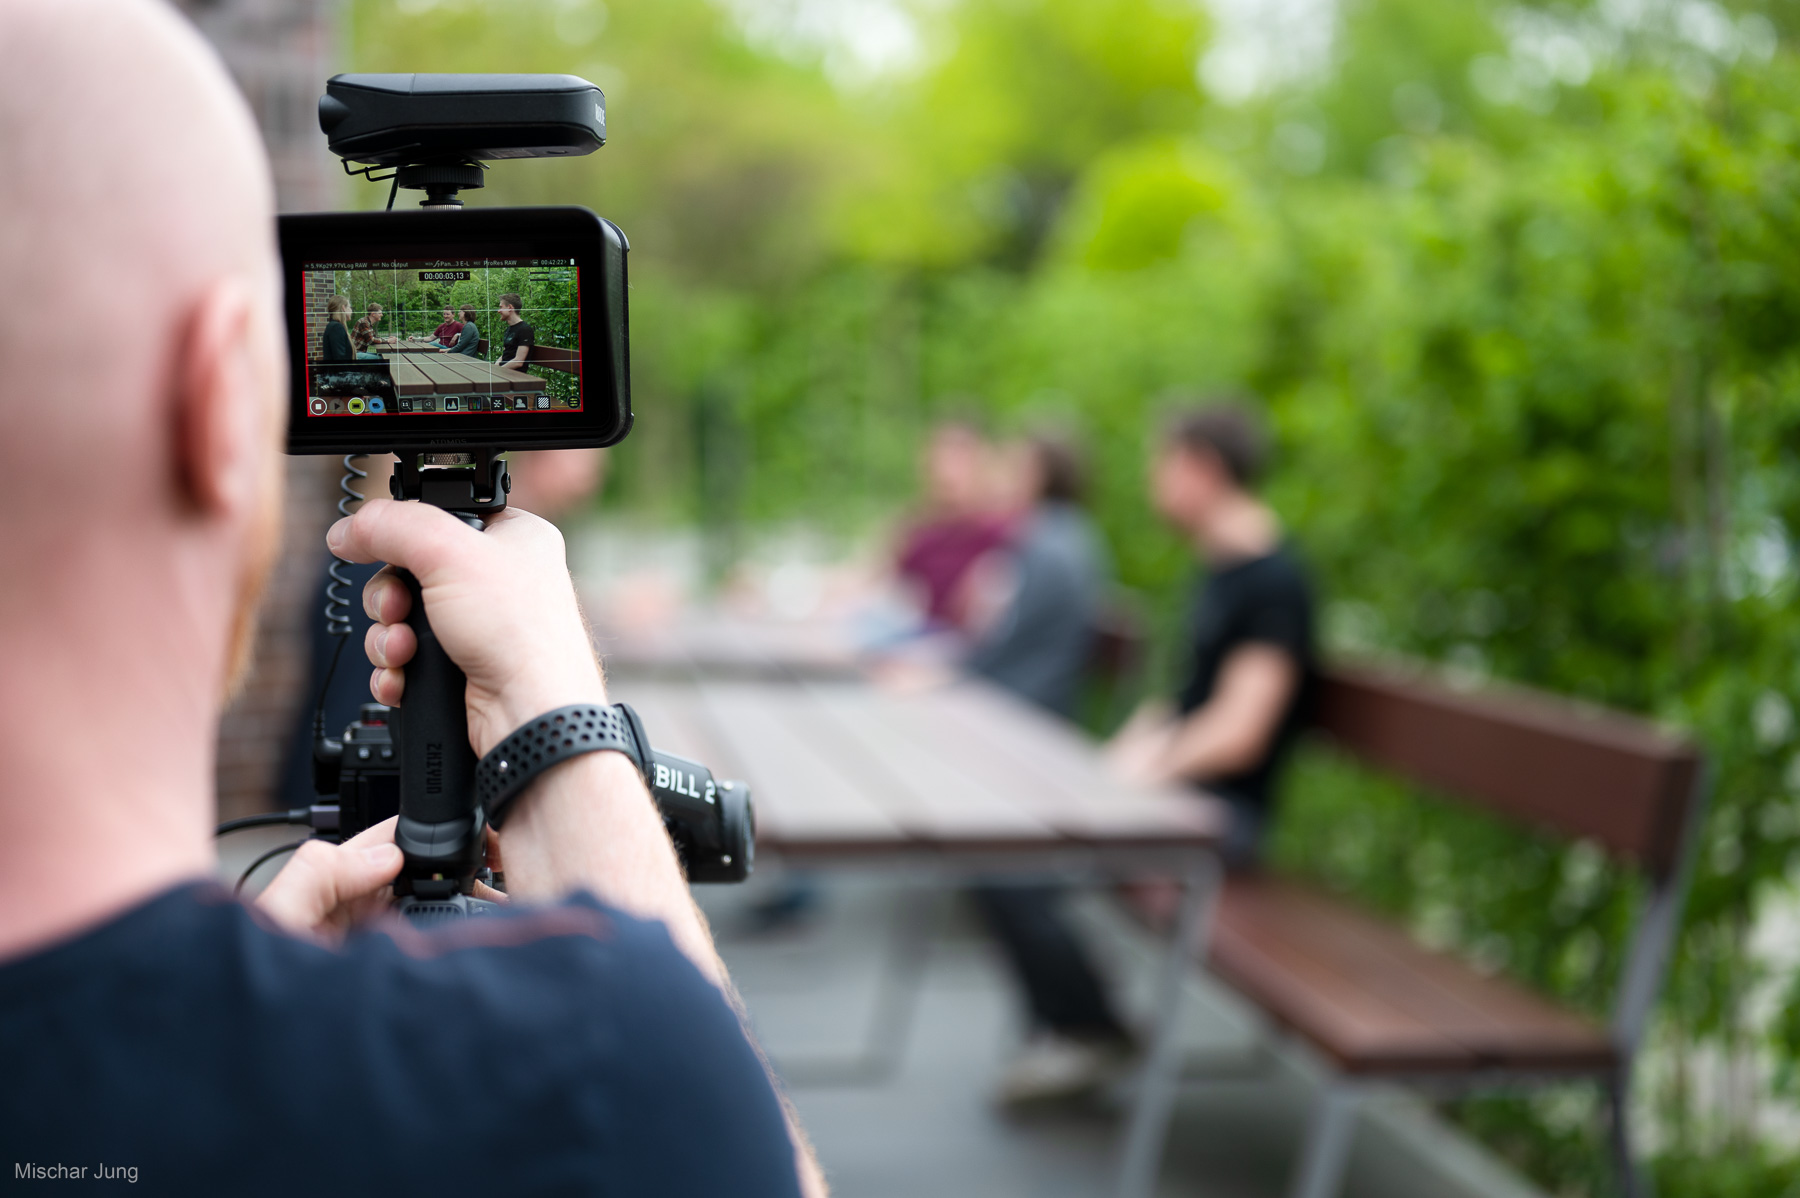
[596, 247]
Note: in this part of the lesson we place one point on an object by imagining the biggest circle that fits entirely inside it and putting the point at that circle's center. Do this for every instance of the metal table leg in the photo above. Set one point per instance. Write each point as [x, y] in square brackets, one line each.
[1155, 1097]
[896, 1000]
[1321, 1169]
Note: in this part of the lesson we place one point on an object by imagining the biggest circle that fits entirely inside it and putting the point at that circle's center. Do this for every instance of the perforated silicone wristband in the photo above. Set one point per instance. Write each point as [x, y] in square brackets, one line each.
[554, 737]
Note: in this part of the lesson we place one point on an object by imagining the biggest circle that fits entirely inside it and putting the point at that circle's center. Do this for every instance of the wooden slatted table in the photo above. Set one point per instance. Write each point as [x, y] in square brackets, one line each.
[957, 784]
[421, 375]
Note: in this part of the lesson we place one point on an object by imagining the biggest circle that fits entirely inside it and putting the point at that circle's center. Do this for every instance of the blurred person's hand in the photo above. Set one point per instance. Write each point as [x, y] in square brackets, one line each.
[903, 675]
[324, 888]
[1138, 752]
[500, 601]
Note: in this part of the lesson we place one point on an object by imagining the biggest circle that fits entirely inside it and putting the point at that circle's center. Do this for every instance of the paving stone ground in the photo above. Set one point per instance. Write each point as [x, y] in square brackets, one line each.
[929, 1131]
[930, 1128]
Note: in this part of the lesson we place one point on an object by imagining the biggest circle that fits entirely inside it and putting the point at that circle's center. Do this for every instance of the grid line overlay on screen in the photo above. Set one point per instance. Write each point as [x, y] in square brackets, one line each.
[442, 336]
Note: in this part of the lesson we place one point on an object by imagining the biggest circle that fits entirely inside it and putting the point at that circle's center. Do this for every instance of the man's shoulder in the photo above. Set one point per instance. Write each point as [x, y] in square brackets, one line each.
[198, 931]
[589, 1037]
[1282, 572]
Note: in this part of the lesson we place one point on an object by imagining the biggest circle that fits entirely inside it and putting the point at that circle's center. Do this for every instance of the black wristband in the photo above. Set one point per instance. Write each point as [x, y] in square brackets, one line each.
[554, 737]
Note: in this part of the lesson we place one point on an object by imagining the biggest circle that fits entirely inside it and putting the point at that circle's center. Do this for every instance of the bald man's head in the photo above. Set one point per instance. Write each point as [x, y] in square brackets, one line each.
[133, 175]
[137, 244]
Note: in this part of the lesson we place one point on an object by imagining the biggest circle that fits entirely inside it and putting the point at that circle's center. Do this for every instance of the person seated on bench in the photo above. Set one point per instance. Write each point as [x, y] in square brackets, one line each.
[958, 528]
[520, 337]
[362, 338]
[445, 334]
[959, 525]
[334, 341]
[1250, 654]
[1032, 603]
[1032, 607]
[468, 338]
[1248, 668]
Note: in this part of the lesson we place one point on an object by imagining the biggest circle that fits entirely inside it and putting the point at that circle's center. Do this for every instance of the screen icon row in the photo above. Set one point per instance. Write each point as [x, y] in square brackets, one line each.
[356, 405]
[375, 405]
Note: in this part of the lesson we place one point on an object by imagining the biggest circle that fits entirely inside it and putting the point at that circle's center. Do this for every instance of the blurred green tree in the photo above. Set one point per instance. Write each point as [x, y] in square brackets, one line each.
[1518, 285]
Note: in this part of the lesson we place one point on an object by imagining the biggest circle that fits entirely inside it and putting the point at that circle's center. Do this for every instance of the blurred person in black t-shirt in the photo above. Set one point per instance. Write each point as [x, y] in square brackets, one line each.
[1246, 670]
[520, 337]
[1248, 651]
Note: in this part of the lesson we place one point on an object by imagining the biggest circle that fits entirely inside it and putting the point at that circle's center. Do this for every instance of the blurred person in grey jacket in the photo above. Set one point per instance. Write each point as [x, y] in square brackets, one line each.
[1037, 600]
[1034, 607]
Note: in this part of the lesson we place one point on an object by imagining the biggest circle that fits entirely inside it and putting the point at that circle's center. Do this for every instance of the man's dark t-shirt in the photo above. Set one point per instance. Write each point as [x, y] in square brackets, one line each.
[557, 1050]
[517, 335]
[1267, 601]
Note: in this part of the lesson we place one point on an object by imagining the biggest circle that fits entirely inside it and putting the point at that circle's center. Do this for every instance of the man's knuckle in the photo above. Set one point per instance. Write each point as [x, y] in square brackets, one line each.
[313, 853]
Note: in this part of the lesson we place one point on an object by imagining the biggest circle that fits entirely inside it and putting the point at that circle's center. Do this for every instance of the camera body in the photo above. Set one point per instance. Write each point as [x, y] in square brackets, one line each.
[712, 823]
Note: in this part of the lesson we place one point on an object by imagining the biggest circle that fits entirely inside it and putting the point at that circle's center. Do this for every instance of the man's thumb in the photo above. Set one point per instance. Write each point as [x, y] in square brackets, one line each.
[379, 863]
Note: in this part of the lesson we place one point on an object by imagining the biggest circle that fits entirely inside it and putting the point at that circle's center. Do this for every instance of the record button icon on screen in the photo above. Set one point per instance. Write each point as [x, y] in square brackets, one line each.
[317, 406]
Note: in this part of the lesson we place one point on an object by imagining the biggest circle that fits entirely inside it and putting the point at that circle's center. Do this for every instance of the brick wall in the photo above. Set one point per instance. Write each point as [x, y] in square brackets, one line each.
[320, 287]
[280, 52]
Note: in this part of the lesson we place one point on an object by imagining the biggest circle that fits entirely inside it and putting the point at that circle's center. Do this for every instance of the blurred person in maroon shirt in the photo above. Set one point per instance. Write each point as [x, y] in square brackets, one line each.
[961, 523]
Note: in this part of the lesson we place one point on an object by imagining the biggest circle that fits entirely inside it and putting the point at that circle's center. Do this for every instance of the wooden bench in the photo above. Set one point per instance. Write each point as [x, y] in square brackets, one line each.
[546, 357]
[1373, 1003]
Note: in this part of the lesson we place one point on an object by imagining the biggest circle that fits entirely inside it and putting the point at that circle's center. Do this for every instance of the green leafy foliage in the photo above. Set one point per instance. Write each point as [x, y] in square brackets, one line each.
[1526, 334]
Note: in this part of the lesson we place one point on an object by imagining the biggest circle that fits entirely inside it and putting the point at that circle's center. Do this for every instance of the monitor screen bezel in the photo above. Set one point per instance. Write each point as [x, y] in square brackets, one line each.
[599, 251]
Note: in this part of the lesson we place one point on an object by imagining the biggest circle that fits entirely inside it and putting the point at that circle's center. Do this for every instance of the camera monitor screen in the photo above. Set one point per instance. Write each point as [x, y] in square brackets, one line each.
[502, 328]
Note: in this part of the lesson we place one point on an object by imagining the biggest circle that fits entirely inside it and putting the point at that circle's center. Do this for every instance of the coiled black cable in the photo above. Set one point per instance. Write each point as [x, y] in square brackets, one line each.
[337, 593]
[337, 590]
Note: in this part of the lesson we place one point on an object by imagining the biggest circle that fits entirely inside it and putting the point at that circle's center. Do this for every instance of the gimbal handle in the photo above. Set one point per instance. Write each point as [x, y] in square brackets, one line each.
[442, 829]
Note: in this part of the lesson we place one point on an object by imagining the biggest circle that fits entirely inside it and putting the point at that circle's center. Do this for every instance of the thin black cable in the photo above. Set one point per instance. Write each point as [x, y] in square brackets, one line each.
[268, 856]
[393, 191]
[325, 687]
[299, 815]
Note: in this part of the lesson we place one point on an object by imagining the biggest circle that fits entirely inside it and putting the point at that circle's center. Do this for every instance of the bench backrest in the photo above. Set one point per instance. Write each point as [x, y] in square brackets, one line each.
[551, 357]
[1535, 758]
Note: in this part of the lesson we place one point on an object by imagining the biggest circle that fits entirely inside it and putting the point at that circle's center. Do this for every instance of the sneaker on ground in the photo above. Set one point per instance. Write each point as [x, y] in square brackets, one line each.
[1053, 1068]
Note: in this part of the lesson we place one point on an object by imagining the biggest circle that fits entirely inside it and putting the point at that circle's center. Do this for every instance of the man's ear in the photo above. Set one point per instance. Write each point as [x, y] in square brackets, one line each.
[218, 447]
